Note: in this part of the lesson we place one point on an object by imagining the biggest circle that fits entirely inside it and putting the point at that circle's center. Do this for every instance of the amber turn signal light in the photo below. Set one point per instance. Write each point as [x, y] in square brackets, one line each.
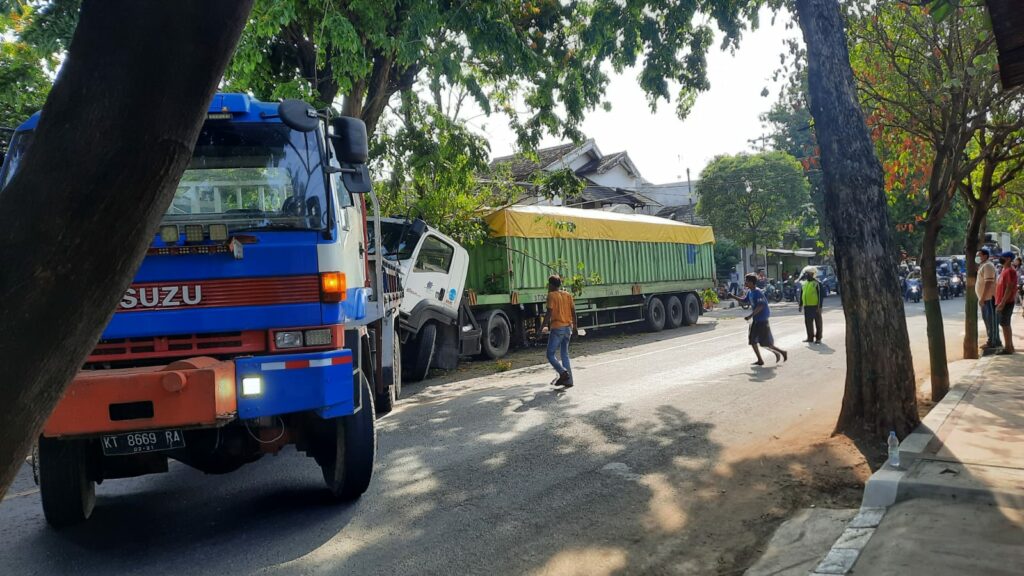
[332, 287]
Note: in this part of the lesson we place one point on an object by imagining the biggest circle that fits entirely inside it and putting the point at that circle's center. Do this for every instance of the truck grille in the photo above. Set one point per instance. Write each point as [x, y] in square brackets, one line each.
[179, 346]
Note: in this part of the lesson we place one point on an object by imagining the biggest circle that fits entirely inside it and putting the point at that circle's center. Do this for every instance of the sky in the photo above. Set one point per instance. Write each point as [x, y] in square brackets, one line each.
[662, 146]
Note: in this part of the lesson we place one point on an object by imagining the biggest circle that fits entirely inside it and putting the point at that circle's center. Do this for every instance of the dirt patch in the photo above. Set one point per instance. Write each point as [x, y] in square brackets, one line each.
[767, 483]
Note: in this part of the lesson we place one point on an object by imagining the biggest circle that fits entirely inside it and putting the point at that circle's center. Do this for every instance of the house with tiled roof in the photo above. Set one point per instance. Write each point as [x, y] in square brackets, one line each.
[611, 181]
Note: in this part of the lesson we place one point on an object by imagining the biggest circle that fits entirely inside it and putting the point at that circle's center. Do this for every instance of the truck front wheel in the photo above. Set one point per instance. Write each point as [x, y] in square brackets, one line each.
[67, 491]
[422, 348]
[497, 335]
[347, 451]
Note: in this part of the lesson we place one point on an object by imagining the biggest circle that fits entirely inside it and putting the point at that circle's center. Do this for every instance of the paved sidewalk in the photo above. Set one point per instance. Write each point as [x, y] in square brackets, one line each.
[956, 505]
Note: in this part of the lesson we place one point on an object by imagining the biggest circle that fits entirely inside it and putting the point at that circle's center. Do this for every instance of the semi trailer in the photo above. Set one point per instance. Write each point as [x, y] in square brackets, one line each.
[487, 299]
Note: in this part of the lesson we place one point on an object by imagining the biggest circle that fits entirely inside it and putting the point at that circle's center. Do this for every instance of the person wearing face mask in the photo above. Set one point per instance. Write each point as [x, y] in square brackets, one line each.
[810, 302]
[985, 288]
[1006, 288]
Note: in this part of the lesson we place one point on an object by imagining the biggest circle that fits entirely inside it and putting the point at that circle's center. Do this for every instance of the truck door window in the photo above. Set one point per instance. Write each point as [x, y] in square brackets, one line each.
[435, 256]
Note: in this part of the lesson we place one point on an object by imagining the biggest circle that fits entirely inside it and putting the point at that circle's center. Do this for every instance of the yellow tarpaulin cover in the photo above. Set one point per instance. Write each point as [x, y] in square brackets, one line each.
[559, 222]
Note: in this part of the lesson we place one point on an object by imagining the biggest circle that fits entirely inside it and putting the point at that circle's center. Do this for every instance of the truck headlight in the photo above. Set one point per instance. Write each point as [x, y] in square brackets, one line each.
[288, 339]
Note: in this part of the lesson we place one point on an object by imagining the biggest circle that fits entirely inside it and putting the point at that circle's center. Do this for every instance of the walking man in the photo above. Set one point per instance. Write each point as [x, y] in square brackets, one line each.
[1006, 292]
[985, 288]
[560, 323]
[760, 331]
[810, 302]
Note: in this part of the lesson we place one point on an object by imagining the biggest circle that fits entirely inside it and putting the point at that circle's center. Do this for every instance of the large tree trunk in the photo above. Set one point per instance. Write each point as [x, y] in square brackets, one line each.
[115, 135]
[880, 389]
[939, 374]
[973, 239]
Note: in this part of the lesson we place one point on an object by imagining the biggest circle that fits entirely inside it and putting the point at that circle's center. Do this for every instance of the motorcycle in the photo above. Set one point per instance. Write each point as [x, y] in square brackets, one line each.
[945, 293]
[913, 291]
[956, 285]
[772, 292]
[789, 291]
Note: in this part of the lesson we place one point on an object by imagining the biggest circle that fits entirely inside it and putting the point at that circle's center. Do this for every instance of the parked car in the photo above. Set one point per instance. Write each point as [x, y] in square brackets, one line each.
[827, 277]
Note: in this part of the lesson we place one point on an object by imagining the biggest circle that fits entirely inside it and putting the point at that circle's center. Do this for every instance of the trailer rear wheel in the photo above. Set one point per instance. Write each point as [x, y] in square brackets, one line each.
[67, 491]
[348, 450]
[691, 309]
[497, 335]
[655, 315]
[673, 312]
[422, 352]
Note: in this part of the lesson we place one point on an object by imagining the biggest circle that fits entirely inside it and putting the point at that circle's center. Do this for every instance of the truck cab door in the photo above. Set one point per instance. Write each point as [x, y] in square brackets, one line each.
[432, 275]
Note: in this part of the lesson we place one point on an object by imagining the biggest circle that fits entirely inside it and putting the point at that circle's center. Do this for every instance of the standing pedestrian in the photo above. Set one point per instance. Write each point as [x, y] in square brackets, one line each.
[560, 323]
[985, 288]
[1006, 291]
[760, 331]
[811, 300]
[734, 281]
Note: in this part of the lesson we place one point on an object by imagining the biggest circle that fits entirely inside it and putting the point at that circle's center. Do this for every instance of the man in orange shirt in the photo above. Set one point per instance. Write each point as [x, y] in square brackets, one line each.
[560, 323]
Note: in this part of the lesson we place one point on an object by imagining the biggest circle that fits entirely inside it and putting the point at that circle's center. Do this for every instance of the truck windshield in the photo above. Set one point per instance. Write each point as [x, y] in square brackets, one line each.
[398, 238]
[248, 176]
[252, 176]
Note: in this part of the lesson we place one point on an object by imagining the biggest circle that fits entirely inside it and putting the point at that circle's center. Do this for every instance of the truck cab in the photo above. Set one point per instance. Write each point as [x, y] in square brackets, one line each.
[435, 325]
[255, 321]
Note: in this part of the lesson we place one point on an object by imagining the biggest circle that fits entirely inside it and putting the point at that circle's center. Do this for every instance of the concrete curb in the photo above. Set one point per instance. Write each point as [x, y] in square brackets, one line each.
[882, 488]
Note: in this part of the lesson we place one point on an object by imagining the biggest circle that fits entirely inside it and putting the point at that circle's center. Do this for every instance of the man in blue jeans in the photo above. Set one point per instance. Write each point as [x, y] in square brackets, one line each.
[985, 288]
[560, 323]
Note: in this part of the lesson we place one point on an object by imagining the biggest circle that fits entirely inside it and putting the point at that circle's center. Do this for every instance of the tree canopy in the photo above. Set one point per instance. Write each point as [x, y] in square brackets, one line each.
[752, 198]
[24, 79]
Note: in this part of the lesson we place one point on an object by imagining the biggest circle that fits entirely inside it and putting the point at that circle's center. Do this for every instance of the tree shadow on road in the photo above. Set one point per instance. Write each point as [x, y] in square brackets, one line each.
[471, 483]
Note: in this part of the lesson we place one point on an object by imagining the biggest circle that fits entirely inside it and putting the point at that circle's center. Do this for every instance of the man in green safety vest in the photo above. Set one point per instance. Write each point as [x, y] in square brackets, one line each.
[811, 300]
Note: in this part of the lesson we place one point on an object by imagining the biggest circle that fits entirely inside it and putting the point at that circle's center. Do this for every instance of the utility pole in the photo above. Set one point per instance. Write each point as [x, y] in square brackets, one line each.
[689, 190]
[763, 139]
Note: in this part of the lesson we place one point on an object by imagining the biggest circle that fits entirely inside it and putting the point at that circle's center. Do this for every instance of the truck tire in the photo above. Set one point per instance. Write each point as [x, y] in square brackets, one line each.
[67, 491]
[673, 312]
[691, 309]
[422, 352]
[348, 451]
[386, 401]
[655, 314]
[497, 336]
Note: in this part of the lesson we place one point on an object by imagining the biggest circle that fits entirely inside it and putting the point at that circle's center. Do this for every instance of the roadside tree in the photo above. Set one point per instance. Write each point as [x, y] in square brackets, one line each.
[76, 218]
[880, 389]
[929, 86]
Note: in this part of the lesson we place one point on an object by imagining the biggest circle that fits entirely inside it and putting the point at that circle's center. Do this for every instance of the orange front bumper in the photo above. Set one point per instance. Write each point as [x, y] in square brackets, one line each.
[198, 392]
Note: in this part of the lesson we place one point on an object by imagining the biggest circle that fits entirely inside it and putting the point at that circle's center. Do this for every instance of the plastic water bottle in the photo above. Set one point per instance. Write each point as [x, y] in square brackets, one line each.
[894, 450]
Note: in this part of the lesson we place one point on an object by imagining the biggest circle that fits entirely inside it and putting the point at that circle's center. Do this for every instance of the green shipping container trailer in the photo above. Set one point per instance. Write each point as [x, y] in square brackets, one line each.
[628, 268]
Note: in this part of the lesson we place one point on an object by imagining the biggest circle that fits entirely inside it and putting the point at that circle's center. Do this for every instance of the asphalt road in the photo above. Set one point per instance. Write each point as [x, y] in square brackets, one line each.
[499, 475]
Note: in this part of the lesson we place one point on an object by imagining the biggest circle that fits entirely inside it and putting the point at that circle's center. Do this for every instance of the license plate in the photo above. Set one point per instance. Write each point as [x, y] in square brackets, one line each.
[141, 442]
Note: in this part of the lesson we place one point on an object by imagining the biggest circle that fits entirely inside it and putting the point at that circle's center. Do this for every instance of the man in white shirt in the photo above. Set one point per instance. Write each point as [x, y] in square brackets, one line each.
[985, 288]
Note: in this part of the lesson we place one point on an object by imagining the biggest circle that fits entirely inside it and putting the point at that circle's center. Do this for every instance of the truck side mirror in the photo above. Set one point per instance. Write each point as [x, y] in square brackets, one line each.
[298, 115]
[349, 140]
